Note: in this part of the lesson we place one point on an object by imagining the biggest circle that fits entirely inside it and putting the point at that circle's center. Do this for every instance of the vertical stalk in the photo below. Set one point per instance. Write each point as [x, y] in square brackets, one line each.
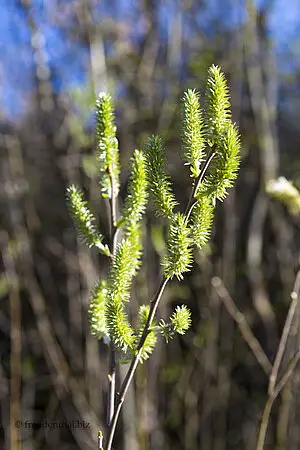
[285, 334]
[272, 397]
[276, 387]
[192, 200]
[112, 356]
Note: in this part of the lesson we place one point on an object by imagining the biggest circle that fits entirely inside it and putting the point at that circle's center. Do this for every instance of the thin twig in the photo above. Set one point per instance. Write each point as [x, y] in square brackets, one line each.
[192, 200]
[274, 390]
[268, 407]
[285, 334]
[242, 323]
[112, 364]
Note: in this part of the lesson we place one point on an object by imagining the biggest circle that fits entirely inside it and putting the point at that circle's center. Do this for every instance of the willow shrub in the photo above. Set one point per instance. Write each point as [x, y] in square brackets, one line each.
[210, 148]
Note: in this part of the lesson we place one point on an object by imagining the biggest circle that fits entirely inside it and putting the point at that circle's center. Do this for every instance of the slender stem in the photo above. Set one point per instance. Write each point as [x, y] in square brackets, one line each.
[193, 201]
[285, 334]
[264, 424]
[112, 384]
[134, 363]
[274, 389]
[112, 356]
[272, 397]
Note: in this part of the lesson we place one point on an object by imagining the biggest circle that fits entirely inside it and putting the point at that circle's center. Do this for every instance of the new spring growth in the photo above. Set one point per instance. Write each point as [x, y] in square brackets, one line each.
[193, 135]
[210, 149]
[180, 322]
[107, 148]
[84, 220]
[222, 137]
[127, 259]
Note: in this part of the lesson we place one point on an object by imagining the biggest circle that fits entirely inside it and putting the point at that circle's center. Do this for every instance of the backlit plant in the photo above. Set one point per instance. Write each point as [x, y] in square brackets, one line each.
[210, 148]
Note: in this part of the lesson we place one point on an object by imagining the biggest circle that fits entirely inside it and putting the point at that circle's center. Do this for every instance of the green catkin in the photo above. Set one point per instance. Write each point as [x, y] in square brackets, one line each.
[218, 104]
[107, 146]
[159, 183]
[84, 220]
[202, 220]
[179, 257]
[192, 134]
[212, 133]
[224, 167]
[97, 310]
[151, 338]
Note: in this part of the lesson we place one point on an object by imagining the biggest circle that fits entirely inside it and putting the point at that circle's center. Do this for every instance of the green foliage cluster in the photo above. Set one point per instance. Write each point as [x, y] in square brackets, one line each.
[180, 322]
[211, 145]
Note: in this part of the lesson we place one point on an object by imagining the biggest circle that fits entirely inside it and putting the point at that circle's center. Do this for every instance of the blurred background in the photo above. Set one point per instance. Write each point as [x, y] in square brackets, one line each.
[205, 390]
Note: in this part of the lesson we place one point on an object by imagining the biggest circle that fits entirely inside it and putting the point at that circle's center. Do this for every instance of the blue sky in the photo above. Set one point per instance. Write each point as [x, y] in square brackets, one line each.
[68, 60]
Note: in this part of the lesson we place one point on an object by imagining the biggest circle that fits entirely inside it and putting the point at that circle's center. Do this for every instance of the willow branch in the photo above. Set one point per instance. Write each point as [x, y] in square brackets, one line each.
[153, 307]
[134, 363]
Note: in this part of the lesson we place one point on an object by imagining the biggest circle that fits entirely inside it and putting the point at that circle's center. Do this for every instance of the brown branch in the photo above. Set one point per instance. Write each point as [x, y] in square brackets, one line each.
[285, 334]
[274, 390]
[272, 397]
[242, 323]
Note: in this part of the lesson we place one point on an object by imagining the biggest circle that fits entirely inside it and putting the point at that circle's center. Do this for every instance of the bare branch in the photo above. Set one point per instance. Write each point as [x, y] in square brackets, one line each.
[242, 323]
